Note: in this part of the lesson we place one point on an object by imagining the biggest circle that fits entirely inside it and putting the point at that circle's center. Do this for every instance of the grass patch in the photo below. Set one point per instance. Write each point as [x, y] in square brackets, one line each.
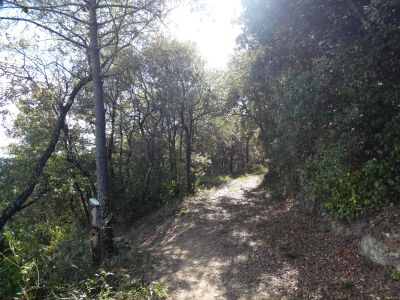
[183, 210]
[261, 171]
[258, 171]
[394, 274]
[215, 181]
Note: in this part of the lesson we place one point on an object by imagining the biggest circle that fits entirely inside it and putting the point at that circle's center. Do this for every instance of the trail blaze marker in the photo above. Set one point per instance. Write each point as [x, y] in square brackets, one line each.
[96, 240]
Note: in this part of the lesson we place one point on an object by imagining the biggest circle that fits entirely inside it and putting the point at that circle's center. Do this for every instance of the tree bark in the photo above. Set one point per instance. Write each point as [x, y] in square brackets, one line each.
[101, 153]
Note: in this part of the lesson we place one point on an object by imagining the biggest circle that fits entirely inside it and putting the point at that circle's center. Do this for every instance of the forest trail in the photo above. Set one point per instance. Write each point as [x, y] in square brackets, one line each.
[235, 243]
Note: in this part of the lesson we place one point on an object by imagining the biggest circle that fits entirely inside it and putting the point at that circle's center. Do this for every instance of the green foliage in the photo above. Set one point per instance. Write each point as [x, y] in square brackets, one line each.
[168, 130]
[9, 176]
[346, 191]
[54, 263]
[105, 285]
[42, 260]
[213, 181]
[16, 272]
[328, 180]
[324, 89]
[168, 127]
[394, 274]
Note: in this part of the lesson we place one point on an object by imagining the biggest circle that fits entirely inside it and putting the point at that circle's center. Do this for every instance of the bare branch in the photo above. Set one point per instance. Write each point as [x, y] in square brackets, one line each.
[76, 43]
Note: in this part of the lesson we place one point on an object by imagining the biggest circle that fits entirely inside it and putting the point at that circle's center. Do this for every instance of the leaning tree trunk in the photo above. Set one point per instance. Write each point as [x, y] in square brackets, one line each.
[101, 154]
[41, 163]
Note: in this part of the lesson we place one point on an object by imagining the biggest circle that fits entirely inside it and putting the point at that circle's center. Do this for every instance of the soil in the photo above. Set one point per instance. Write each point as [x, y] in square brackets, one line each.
[235, 242]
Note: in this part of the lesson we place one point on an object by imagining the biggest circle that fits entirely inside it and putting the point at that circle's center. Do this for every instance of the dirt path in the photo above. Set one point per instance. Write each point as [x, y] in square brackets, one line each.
[234, 243]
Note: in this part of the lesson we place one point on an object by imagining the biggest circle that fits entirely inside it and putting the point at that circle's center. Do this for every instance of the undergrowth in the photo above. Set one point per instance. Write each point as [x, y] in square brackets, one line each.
[55, 264]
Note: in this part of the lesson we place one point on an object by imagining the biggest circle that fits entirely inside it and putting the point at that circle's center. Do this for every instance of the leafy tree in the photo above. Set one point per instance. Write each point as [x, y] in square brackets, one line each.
[97, 28]
[325, 79]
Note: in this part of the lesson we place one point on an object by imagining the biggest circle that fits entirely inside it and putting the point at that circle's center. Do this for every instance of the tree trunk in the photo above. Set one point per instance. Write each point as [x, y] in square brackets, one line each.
[121, 157]
[111, 143]
[180, 145]
[101, 154]
[150, 162]
[188, 154]
[247, 151]
[172, 153]
[231, 160]
[188, 165]
[110, 153]
[40, 164]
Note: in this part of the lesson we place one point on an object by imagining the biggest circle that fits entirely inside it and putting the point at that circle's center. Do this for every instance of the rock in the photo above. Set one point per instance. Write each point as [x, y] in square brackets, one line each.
[379, 252]
[346, 229]
[380, 245]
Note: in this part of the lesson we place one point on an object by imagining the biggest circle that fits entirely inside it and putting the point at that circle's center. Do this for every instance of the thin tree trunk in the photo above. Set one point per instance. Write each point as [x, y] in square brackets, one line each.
[146, 183]
[247, 151]
[180, 145]
[121, 152]
[189, 185]
[110, 152]
[172, 152]
[126, 175]
[111, 143]
[188, 153]
[83, 201]
[231, 160]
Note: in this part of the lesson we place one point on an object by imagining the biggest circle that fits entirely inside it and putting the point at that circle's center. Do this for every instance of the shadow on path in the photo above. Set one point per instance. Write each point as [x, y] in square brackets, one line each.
[235, 243]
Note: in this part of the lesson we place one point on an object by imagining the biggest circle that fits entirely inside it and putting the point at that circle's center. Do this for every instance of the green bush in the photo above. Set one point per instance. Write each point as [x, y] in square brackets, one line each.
[326, 179]
[61, 268]
[19, 273]
[347, 191]
[37, 262]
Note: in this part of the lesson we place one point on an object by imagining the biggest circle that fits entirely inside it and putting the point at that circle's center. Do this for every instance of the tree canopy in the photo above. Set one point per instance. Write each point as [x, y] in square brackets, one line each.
[111, 108]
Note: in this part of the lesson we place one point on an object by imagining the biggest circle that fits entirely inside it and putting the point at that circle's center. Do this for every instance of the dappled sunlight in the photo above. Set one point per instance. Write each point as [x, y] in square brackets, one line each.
[219, 249]
[238, 243]
[229, 149]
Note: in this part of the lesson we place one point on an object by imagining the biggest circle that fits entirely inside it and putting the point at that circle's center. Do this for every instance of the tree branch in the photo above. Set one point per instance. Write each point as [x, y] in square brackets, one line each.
[40, 195]
[76, 43]
[41, 163]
